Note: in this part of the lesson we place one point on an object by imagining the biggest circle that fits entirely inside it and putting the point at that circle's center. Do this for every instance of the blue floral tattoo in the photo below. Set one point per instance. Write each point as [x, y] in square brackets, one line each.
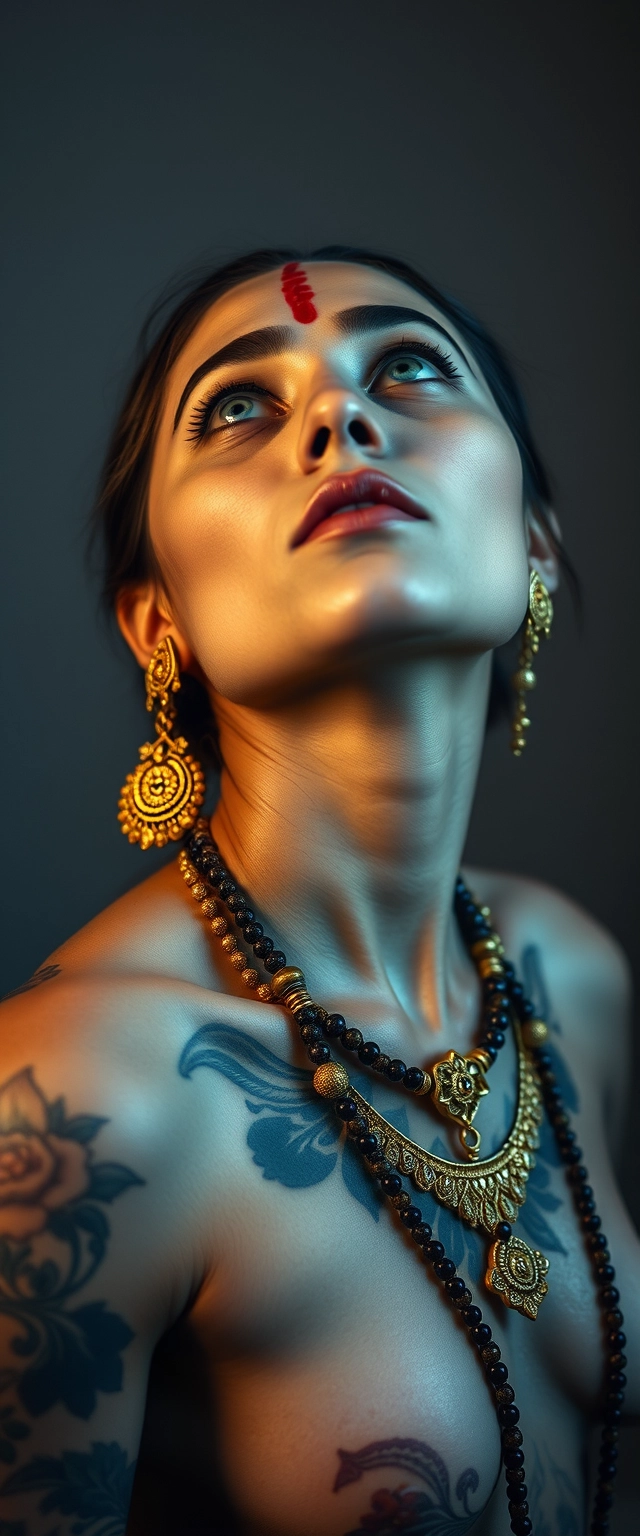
[295, 1138]
[554, 1499]
[51, 1188]
[426, 1511]
[93, 1486]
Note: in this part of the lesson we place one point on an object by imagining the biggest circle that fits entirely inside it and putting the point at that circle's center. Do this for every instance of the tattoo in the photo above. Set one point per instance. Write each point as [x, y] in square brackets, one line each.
[414, 1511]
[295, 1139]
[95, 1486]
[53, 1238]
[540, 1197]
[46, 973]
[554, 1499]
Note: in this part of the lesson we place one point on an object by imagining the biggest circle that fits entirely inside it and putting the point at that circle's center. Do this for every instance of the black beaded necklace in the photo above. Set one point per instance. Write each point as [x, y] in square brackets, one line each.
[503, 997]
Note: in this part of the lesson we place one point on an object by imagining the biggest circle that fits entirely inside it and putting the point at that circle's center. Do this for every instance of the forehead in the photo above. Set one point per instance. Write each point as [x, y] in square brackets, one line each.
[262, 302]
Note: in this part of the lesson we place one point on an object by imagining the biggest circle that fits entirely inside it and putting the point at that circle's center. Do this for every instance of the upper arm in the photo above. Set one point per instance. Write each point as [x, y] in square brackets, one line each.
[85, 1284]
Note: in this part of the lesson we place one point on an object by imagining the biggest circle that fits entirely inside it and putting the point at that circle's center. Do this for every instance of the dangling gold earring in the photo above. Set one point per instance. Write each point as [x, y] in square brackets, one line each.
[161, 799]
[537, 622]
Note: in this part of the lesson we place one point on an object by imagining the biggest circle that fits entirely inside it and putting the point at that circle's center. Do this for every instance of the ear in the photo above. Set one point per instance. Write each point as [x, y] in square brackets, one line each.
[542, 555]
[145, 618]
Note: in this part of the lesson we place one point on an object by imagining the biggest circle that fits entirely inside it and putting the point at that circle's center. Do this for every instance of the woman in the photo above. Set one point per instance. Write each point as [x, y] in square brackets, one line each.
[323, 511]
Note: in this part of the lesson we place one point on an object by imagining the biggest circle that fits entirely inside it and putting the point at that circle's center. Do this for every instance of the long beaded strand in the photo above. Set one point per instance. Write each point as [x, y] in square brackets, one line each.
[313, 1022]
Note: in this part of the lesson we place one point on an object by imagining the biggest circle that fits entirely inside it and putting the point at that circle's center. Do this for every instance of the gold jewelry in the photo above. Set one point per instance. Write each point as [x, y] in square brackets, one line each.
[482, 1193]
[537, 622]
[160, 800]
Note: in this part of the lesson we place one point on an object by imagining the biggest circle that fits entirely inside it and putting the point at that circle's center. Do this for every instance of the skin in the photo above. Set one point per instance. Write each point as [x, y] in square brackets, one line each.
[349, 677]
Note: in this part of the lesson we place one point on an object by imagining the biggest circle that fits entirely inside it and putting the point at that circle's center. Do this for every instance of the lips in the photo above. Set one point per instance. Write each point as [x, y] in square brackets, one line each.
[365, 498]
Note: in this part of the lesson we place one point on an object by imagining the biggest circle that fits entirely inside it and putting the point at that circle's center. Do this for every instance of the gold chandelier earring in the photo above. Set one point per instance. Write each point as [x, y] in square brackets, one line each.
[160, 800]
[537, 623]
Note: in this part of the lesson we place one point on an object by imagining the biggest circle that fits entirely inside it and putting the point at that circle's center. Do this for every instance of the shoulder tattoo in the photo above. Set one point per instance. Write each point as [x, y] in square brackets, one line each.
[54, 1235]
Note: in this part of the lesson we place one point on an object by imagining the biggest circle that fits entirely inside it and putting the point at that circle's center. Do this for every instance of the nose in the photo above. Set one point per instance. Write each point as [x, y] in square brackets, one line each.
[336, 418]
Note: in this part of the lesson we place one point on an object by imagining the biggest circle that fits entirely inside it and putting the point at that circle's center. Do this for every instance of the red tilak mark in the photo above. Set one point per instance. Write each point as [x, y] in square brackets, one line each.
[298, 293]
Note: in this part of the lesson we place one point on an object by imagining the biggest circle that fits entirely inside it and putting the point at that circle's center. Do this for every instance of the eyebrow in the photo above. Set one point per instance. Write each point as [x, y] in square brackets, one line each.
[267, 342]
[376, 317]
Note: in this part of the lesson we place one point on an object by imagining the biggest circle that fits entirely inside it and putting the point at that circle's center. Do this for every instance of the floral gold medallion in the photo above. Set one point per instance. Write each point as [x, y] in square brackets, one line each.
[516, 1273]
[459, 1084]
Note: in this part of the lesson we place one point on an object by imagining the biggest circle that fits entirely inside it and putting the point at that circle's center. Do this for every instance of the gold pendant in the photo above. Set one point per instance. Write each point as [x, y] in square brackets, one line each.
[516, 1273]
[482, 1193]
[459, 1084]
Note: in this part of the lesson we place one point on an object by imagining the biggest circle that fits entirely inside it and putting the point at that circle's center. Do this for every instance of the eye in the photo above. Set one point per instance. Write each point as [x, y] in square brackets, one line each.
[423, 363]
[228, 409]
[407, 370]
[236, 408]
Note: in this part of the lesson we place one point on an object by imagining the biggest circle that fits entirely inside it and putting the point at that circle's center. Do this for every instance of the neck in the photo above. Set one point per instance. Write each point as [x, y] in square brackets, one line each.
[344, 818]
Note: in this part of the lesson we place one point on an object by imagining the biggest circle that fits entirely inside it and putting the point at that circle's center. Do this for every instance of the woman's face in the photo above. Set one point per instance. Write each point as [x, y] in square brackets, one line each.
[273, 589]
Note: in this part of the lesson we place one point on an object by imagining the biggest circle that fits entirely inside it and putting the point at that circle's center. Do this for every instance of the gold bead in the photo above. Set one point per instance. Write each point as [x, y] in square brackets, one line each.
[264, 992]
[189, 876]
[219, 926]
[331, 1080]
[198, 891]
[426, 1086]
[484, 947]
[482, 1058]
[524, 679]
[238, 960]
[286, 979]
[209, 907]
[297, 1000]
[250, 977]
[492, 966]
[535, 1033]
[229, 943]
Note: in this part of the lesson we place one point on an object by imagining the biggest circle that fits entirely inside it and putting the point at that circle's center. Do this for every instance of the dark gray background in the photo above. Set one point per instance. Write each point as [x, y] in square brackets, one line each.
[492, 144]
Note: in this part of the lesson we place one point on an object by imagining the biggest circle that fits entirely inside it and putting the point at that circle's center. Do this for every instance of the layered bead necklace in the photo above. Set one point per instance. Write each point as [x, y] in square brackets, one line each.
[485, 1194]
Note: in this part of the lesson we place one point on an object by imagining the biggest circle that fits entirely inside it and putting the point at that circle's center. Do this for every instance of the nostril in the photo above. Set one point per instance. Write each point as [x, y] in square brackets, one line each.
[320, 442]
[359, 432]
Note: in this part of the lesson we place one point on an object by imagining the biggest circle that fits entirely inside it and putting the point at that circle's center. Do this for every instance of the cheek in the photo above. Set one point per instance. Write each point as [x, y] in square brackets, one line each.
[480, 475]
[213, 550]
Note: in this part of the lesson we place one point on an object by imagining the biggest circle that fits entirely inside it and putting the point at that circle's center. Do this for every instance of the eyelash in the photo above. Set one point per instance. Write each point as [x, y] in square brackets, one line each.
[201, 416]
[430, 351]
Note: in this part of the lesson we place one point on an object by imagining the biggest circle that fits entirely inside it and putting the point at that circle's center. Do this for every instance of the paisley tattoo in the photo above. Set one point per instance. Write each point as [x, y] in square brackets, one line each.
[53, 1237]
[424, 1511]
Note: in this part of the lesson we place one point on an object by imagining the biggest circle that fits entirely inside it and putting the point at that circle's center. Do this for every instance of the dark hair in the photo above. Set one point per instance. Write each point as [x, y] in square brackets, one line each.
[120, 518]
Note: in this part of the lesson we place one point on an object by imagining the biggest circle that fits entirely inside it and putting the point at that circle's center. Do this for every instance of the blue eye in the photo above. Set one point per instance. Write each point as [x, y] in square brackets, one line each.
[421, 363]
[411, 370]
[236, 408]
[230, 408]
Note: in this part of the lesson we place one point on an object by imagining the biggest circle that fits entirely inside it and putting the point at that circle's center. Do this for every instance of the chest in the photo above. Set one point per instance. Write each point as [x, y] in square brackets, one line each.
[337, 1371]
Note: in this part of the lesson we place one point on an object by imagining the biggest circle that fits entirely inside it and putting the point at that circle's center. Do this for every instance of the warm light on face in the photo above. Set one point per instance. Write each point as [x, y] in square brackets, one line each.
[264, 410]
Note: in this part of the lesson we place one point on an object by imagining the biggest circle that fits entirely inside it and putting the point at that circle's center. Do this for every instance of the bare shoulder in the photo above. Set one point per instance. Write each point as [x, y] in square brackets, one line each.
[105, 1013]
[90, 1051]
[561, 950]
[148, 931]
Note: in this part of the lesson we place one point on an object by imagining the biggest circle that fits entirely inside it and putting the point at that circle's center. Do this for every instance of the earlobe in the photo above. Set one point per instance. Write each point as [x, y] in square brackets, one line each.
[542, 543]
[144, 619]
